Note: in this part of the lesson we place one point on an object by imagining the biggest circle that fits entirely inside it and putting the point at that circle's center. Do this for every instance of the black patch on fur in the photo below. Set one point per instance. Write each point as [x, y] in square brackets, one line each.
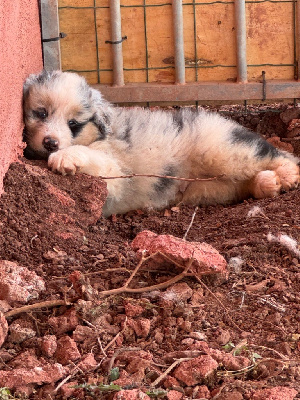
[263, 148]
[102, 127]
[126, 134]
[163, 184]
[77, 128]
[178, 119]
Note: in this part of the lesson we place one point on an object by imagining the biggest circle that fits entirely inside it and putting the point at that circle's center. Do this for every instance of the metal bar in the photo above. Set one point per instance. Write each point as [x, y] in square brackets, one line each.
[298, 37]
[179, 42]
[241, 40]
[154, 92]
[50, 30]
[195, 41]
[97, 43]
[116, 36]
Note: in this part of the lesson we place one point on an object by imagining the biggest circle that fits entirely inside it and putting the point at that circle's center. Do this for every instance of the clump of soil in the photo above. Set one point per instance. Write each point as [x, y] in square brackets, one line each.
[245, 328]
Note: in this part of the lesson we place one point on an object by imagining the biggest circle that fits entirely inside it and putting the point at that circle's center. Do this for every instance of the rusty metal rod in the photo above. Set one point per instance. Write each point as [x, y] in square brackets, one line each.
[116, 40]
[241, 40]
[202, 91]
[179, 41]
[297, 36]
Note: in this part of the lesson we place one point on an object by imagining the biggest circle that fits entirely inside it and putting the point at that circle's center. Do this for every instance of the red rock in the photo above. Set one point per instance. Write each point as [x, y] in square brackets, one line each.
[133, 310]
[170, 382]
[20, 330]
[18, 284]
[275, 393]
[231, 396]
[68, 390]
[20, 377]
[194, 371]
[3, 329]
[4, 306]
[203, 392]
[134, 394]
[230, 362]
[140, 326]
[27, 359]
[66, 350]
[290, 113]
[60, 195]
[81, 333]
[178, 292]
[174, 395]
[87, 363]
[206, 259]
[48, 345]
[137, 364]
[64, 323]
[276, 142]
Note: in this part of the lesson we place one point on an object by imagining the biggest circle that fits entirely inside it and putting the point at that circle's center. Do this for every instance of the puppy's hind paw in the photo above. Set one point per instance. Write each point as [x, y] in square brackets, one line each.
[288, 174]
[265, 184]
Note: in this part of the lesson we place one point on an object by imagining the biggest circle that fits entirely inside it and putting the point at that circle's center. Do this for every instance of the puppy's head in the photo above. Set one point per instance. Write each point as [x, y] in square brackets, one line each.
[61, 110]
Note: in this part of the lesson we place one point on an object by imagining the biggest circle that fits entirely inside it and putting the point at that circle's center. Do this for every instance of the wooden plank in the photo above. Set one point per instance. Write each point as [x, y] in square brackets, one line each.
[50, 30]
[78, 48]
[204, 91]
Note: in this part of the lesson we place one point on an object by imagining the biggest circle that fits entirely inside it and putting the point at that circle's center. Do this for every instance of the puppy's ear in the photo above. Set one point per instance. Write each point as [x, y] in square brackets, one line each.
[103, 112]
[38, 79]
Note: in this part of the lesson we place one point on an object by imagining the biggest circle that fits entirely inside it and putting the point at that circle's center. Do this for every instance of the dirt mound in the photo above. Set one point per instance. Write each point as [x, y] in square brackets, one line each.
[90, 334]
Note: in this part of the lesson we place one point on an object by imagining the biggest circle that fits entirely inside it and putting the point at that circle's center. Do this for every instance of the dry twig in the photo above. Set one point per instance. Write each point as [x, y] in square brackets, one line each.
[213, 178]
[191, 223]
[31, 307]
[169, 369]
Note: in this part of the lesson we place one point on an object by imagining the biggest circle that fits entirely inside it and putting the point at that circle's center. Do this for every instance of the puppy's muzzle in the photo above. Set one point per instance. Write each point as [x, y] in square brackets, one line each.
[50, 144]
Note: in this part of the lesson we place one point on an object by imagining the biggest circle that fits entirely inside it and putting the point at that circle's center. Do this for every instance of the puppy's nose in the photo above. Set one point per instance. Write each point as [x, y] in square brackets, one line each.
[50, 144]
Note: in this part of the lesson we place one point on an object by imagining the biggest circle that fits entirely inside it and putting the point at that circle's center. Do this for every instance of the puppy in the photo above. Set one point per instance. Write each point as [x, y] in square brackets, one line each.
[71, 125]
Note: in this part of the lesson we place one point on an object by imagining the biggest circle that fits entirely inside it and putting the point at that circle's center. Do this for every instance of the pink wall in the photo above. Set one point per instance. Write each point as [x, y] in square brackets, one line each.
[20, 55]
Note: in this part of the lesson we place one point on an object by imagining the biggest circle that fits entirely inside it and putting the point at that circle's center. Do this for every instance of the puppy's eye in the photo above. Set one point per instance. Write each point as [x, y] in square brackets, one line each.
[73, 123]
[40, 113]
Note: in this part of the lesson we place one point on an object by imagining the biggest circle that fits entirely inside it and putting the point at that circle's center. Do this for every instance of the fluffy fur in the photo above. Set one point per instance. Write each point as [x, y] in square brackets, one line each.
[71, 125]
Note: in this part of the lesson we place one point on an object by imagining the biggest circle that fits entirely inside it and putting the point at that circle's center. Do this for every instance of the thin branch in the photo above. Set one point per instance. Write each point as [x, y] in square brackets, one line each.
[31, 307]
[219, 301]
[191, 223]
[163, 285]
[116, 337]
[169, 369]
[164, 176]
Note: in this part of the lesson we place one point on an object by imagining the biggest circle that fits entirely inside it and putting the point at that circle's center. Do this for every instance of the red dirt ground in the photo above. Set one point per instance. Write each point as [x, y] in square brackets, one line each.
[247, 326]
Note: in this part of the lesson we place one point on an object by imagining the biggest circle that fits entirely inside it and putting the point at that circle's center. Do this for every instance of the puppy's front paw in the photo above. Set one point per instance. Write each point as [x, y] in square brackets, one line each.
[66, 161]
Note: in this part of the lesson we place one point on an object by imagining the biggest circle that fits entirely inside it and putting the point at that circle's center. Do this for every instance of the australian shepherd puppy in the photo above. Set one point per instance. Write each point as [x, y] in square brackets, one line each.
[71, 125]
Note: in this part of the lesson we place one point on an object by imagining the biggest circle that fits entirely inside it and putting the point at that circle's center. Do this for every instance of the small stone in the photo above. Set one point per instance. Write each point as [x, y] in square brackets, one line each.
[87, 363]
[133, 394]
[19, 284]
[20, 330]
[48, 345]
[140, 326]
[206, 259]
[81, 333]
[3, 328]
[195, 371]
[174, 395]
[20, 377]
[64, 323]
[133, 310]
[66, 350]
[178, 292]
[275, 393]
